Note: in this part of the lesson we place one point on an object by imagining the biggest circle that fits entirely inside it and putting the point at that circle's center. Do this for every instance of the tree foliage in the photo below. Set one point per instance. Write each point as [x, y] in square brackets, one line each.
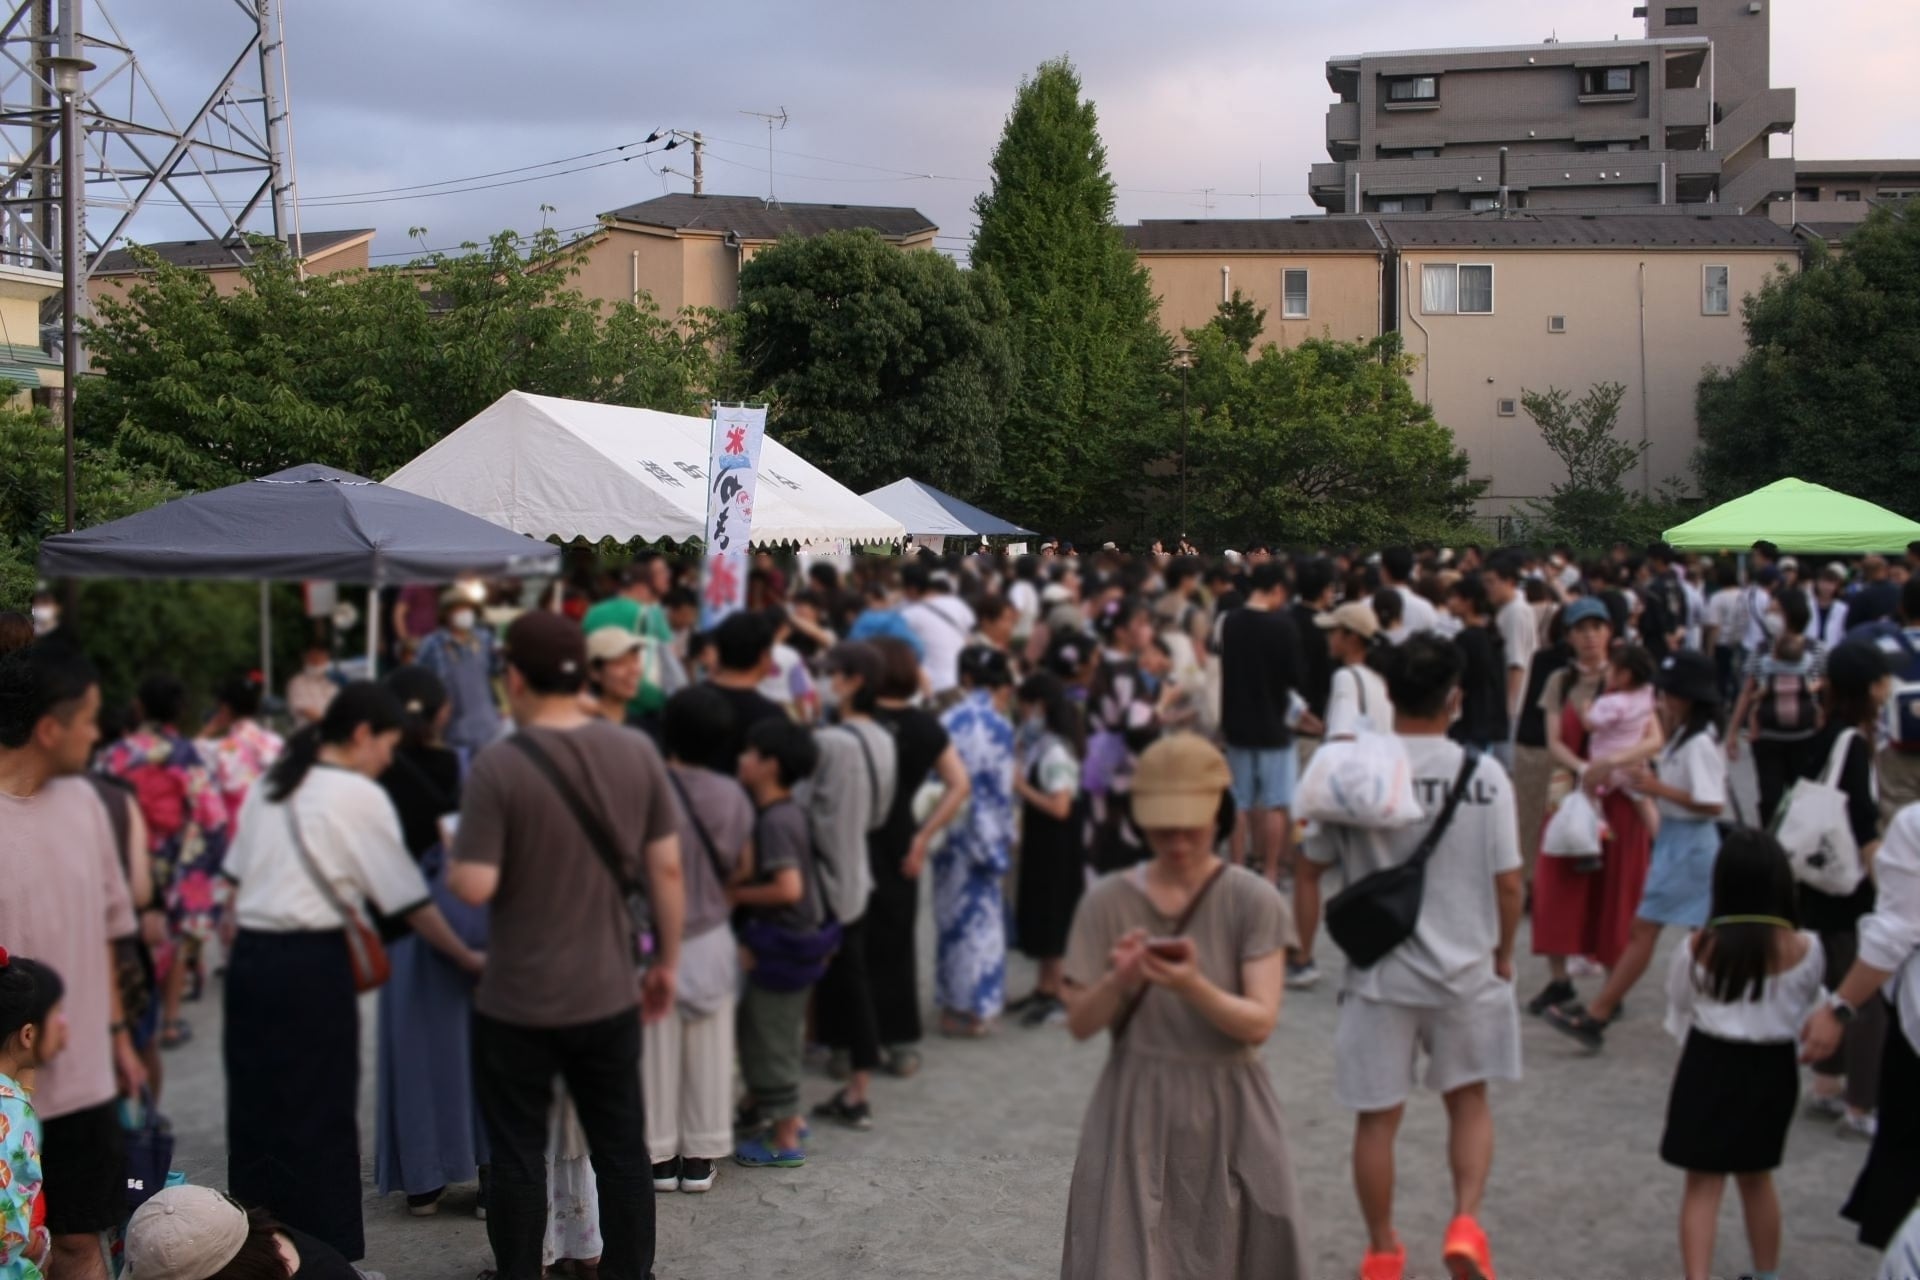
[878, 364]
[1241, 321]
[1321, 443]
[1829, 389]
[1591, 508]
[362, 371]
[1091, 401]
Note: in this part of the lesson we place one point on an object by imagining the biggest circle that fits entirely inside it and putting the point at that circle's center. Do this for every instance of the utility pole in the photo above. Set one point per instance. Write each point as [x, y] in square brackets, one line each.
[66, 70]
[699, 164]
[674, 138]
[1185, 356]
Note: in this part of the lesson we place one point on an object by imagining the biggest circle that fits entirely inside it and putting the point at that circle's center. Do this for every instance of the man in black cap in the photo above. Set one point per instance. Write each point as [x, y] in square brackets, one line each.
[559, 824]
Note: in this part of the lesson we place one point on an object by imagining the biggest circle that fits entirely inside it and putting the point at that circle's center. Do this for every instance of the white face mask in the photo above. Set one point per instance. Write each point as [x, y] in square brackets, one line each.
[45, 618]
[461, 619]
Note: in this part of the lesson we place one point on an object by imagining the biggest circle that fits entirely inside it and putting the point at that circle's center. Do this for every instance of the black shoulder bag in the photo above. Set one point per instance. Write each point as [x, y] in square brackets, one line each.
[601, 840]
[1376, 913]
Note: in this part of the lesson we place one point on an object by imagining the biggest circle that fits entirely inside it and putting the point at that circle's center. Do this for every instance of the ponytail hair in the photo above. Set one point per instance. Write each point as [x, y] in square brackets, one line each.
[361, 703]
[422, 694]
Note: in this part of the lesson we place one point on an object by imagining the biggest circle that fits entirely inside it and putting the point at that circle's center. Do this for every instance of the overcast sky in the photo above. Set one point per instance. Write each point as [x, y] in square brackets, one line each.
[1229, 95]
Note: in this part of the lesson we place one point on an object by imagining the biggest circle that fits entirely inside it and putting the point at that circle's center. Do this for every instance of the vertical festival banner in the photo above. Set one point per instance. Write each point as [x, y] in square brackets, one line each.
[733, 468]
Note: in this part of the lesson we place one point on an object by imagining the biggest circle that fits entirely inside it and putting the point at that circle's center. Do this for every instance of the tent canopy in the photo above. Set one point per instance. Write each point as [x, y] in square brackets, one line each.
[929, 513]
[545, 466]
[1798, 517]
[305, 522]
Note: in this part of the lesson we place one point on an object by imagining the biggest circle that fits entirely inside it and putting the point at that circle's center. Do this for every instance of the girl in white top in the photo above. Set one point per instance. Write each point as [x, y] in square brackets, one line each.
[1737, 995]
[1356, 697]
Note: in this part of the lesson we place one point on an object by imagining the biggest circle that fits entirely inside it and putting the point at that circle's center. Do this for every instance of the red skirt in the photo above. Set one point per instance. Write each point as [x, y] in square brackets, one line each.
[1590, 913]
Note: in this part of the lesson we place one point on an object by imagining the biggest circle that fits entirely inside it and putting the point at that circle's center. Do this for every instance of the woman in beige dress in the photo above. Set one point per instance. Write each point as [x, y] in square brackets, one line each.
[1183, 1168]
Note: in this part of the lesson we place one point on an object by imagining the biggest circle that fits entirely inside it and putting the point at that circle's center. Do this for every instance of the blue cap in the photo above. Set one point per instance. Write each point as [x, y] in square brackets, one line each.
[1584, 608]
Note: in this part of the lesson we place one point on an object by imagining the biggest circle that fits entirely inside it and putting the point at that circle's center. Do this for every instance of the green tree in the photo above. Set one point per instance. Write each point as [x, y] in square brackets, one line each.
[362, 371]
[1090, 404]
[1591, 508]
[1829, 389]
[1321, 443]
[1241, 321]
[878, 363]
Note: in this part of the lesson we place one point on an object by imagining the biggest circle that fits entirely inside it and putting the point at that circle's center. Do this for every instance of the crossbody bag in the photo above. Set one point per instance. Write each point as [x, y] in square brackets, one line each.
[1125, 1020]
[365, 952]
[1376, 913]
[602, 841]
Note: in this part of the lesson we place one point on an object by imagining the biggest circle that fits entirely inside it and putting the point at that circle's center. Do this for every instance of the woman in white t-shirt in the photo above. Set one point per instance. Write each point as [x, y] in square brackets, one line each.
[319, 842]
[1357, 696]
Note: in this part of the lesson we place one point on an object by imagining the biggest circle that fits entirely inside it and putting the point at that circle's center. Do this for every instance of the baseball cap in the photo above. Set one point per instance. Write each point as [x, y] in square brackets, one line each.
[1689, 675]
[184, 1233]
[1356, 616]
[1585, 608]
[609, 643]
[1178, 783]
[546, 647]
[467, 592]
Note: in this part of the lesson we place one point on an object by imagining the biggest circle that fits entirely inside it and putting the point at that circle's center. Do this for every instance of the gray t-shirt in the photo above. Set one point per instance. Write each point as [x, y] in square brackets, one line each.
[781, 840]
[726, 815]
[1449, 958]
[849, 796]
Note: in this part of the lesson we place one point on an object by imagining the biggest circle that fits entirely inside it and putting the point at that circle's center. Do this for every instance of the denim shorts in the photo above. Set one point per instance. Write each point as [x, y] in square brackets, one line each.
[1263, 777]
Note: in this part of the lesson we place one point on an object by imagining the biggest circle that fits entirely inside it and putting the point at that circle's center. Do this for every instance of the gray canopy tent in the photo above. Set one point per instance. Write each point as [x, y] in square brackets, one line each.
[929, 513]
[305, 522]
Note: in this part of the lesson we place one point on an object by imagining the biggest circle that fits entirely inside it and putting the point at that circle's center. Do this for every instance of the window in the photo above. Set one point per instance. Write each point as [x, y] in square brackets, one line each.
[1556, 324]
[1847, 197]
[1414, 89]
[1683, 15]
[1606, 81]
[1401, 204]
[1483, 204]
[1293, 288]
[1713, 291]
[1448, 288]
[1424, 153]
[1806, 193]
[1899, 193]
[1505, 406]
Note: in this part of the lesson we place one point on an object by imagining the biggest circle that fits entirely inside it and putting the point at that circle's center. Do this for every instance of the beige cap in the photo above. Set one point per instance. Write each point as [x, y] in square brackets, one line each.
[1178, 783]
[608, 643]
[1356, 616]
[184, 1233]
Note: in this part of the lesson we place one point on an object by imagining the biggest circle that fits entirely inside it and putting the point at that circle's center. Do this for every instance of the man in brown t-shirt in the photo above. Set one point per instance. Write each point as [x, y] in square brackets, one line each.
[558, 994]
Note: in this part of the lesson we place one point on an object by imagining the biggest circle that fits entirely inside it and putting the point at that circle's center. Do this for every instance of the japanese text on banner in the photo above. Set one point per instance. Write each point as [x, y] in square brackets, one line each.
[732, 475]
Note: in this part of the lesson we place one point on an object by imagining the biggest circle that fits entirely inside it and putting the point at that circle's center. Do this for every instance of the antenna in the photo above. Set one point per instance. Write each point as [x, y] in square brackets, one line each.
[772, 119]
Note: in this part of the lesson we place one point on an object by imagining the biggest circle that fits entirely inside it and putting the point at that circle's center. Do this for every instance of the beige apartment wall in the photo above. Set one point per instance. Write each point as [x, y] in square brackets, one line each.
[1469, 362]
[608, 271]
[228, 281]
[713, 270]
[1343, 292]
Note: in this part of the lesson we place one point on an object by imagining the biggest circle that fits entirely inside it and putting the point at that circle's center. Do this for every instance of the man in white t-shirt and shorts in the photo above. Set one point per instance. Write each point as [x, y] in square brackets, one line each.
[1446, 993]
[1519, 637]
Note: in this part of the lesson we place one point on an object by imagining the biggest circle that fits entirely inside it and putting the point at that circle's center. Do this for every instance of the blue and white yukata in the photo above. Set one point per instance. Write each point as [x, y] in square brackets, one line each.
[968, 909]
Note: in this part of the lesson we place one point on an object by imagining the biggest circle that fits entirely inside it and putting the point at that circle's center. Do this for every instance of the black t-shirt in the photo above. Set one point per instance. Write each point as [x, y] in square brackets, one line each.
[750, 707]
[1824, 912]
[1259, 668]
[919, 740]
[1871, 603]
[424, 785]
[318, 1261]
[1316, 661]
[1483, 687]
[1532, 729]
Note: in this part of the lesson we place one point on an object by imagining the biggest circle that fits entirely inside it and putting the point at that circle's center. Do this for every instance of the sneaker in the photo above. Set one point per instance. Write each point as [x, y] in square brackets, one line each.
[1827, 1106]
[1467, 1254]
[425, 1206]
[755, 1153]
[1049, 1012]
[696, 1175]
[666, 1175]
[1384, 1266]
[1304, 976]
[1853, 1125]
[1554, 993]
[1025, 1002]
[854, 1115]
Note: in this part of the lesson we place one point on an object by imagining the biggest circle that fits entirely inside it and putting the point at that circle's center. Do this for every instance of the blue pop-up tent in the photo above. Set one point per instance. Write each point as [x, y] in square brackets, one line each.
[929, 513]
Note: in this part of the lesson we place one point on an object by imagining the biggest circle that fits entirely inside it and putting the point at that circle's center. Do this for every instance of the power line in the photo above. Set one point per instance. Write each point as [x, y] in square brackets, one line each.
[475, 177]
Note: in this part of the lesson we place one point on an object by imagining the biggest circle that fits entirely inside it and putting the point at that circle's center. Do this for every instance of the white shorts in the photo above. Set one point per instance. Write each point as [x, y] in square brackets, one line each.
[1377, 1046]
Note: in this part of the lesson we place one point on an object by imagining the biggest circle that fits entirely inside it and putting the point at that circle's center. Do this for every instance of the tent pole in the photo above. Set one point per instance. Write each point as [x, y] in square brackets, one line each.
[266, 637]
[373, 628]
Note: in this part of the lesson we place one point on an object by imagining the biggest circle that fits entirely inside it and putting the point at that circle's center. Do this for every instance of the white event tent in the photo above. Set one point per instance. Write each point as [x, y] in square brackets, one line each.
[571, 468]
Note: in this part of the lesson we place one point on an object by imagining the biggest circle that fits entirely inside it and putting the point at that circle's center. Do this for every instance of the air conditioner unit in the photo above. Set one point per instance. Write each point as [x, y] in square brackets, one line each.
[1754, 7]
[1506, 407]
[1556, 324]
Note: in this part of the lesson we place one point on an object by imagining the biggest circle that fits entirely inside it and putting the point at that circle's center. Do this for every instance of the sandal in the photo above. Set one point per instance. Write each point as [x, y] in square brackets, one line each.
[1573, 1020]
[174, 1034]
[963, 1028]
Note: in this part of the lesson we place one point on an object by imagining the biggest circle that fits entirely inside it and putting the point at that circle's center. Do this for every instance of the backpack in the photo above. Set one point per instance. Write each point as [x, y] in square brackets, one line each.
[1902, 649]
[1787, 708]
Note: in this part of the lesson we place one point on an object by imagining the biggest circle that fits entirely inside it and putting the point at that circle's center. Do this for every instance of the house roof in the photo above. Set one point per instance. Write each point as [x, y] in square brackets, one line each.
[1864, 168]
[752, 218]
[211, 255]
[1253, 235]
[1538, 231]
[1550, 50]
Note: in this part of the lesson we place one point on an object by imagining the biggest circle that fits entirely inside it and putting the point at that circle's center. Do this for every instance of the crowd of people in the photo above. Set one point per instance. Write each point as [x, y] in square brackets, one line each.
[619, 879]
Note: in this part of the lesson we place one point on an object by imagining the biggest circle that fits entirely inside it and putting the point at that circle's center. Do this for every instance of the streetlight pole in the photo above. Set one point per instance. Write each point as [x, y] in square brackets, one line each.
[65, 73]
[1185, 357]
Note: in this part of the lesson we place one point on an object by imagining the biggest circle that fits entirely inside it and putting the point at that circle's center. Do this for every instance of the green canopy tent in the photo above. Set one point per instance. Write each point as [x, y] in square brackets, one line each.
[1800, 518]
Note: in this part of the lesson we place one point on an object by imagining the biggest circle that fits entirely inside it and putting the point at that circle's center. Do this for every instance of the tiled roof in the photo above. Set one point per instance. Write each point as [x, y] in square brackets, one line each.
[202, 255]
[1600, 231]
[1253, 235]
[752, 218]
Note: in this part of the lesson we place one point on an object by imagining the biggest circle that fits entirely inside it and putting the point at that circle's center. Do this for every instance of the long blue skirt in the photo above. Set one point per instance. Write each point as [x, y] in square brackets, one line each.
[429, 1131]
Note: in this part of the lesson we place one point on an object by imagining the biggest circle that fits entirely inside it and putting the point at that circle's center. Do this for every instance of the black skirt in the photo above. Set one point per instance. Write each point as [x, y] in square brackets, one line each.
[292, 1054]
[1889, 1184]
[1731, 1105]
[1053, 874]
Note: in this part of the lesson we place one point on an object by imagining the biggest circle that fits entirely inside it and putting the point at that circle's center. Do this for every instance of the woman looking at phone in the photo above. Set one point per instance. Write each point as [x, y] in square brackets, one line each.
[1183, 1168]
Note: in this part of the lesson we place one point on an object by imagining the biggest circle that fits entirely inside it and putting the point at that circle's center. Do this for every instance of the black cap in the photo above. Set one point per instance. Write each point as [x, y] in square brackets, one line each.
[548, 648]
[1689, 675]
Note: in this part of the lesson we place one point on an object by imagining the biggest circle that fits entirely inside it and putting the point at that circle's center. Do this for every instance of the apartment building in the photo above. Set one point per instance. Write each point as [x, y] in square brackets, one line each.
[1680, 117]
[1833, 196]
[686, 250]
[1312, 276]
[224, 262]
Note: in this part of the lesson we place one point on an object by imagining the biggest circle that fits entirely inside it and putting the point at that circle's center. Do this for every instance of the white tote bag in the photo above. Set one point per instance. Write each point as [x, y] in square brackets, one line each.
[1813, 827]
[1574, 829]
[1363, 781]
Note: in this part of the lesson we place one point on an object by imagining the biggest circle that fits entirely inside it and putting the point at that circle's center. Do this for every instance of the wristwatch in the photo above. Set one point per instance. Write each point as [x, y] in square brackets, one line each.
[1842, 1011]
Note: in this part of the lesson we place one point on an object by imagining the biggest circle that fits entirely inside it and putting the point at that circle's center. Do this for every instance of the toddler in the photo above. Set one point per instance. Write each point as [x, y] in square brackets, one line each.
[1618, 722]
[32, 1032]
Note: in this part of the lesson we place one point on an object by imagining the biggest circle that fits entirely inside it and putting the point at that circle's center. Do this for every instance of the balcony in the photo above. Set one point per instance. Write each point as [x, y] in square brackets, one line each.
[1343, 130]
[1684, 108]
[1327, 185]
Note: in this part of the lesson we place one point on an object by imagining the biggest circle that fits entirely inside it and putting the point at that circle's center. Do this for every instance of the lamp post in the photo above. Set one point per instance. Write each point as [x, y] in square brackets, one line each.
[65, 72]
[1185, 356]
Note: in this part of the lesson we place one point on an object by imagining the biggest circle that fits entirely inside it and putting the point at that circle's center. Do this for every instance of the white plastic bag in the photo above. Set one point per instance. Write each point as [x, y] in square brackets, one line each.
[1574, 829]
[1813, 826]
[1363, 781]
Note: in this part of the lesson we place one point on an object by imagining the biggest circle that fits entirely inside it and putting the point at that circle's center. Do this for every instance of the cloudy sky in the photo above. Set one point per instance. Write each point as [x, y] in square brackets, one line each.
[1229, 95]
